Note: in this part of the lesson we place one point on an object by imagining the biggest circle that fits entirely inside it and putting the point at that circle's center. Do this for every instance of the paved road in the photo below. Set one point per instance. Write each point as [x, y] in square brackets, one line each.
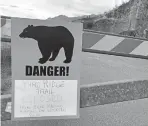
[129, 113]
[103, 68]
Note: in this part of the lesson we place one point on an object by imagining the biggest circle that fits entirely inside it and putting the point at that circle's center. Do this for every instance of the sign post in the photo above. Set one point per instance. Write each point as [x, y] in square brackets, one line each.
[46, 59]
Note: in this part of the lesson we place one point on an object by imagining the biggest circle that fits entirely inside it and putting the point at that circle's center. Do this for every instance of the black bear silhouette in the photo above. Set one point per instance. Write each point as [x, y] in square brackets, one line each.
[50, 41]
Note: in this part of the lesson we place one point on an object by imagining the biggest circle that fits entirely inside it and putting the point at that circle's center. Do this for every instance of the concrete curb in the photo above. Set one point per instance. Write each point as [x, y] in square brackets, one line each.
[107, 93]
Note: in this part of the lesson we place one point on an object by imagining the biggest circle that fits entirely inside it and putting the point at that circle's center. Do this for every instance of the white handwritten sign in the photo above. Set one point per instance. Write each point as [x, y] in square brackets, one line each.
[38, 98]
[8, 107]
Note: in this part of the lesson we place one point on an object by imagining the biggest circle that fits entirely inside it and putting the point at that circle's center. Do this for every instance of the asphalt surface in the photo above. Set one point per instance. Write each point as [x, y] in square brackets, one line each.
[129, 113]
[98, 68]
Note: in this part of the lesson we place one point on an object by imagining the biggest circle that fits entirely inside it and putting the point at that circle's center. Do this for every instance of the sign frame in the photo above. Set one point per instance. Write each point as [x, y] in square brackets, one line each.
[47, 117]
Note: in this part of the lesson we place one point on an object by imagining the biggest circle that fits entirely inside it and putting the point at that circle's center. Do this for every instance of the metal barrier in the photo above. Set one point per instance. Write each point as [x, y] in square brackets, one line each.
[113, 34]
[111, 44]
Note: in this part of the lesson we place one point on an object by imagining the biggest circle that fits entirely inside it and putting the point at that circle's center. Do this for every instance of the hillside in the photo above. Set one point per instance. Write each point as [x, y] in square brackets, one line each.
[122, 11]
[130, 17]
[118, 12]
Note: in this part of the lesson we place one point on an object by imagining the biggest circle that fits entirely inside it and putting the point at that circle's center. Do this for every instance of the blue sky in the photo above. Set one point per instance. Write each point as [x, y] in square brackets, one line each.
[51, 8]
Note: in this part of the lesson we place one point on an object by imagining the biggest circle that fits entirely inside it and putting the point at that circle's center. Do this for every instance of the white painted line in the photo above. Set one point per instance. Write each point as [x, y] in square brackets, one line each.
[8, 107]
[107, 43]
[111, 83]
[88, 32]
[142, 49]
